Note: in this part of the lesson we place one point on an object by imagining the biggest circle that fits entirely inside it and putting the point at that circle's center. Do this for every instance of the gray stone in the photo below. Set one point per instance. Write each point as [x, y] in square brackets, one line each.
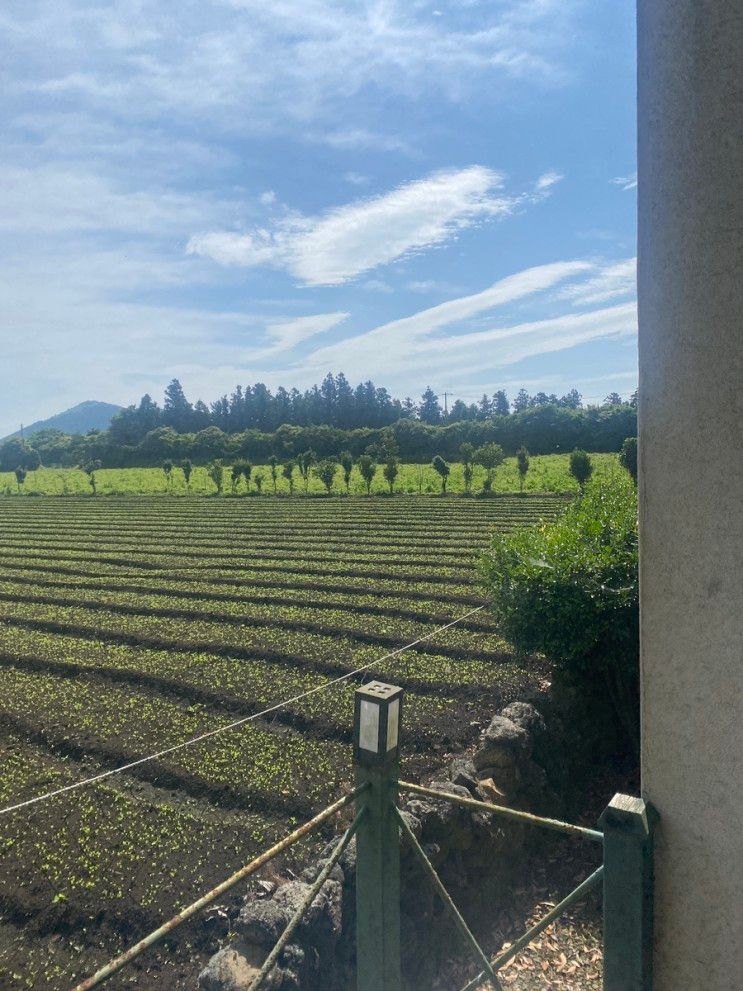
[503, 732]
[502, 744]
[262, 922]
[462, 772]
[494, 756]
[234, 968]
[527, 716]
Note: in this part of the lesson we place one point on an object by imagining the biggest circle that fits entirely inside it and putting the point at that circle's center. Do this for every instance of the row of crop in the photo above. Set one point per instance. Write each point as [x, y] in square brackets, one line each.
[248, 626]
[459, 533]
[282, 548]
[462, 531]
[434, 665]
[256, 767]
[431, 611]
[344, 561]
[241, 566]
[102, 854]
[226, 684]
[285, 584]
[331, 542]
[159, 509]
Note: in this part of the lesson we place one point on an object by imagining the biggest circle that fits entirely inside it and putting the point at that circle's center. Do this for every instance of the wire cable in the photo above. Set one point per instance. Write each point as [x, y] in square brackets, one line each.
[233, 725]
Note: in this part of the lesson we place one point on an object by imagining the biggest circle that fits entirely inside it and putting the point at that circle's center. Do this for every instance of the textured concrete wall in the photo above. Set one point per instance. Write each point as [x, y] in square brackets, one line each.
[691, 479]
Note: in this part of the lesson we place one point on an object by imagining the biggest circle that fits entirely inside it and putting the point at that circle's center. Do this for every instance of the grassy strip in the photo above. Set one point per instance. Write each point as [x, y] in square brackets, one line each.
[548, 473]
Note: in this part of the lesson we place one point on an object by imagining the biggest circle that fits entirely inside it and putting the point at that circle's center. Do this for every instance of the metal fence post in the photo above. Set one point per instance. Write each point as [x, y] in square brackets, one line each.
[628, 825]
[376, 749]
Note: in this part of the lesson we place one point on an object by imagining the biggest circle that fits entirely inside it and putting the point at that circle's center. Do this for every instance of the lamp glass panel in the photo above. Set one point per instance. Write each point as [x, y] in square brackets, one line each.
[369, 726]
[393, 721]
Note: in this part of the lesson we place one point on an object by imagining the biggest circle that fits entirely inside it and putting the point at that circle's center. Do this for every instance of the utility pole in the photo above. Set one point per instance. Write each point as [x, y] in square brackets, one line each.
[446, 407]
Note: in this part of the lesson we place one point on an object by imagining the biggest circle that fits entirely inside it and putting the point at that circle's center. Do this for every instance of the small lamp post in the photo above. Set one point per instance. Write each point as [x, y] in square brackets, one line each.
[376, 745]
[377, 724]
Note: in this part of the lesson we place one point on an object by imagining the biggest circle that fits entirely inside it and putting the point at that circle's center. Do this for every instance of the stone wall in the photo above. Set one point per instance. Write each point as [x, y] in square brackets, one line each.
[477, 855]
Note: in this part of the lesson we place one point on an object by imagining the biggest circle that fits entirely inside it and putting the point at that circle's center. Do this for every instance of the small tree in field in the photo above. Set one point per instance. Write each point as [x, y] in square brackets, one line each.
[367, 469]
[346, 460]
[490, 457]
[216, 473]
[233, 475]
[581, 467]
[273, 464]
[258, 479]
[443, 469]
[168, 472]
[466, 454]
[391, 468]
[628, 457]
[241, 469]
[288, 472]
[90, 469]
[522, 460]
[325, 471]
[20, 477]
[187, 469]
[305, 462]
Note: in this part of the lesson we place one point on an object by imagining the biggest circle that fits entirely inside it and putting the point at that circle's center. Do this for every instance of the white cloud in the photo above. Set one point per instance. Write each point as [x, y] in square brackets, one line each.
[287, 335]
[409, 338]
[487, 351]
[53, 200]
[343, 243]
[262, 65]
[611, 281]
[625, 183]
[547, 181]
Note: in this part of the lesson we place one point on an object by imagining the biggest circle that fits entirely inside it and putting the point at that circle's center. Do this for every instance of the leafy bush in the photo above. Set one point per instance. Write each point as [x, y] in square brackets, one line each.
[628, 457]
[569, 590]
[581, 467]
[522, 460]
[442, 469]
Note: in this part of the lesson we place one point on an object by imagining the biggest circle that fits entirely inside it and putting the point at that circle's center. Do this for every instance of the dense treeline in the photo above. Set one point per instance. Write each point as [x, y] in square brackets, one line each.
[146, 435]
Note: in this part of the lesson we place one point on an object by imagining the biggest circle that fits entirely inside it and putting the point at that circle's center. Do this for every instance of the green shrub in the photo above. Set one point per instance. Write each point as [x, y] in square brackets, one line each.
[628, 457]
[569, 590]
[581, 467]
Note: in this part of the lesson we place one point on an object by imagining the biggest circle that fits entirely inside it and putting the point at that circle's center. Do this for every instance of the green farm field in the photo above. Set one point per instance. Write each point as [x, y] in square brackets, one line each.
[547, 473]
[129, 625]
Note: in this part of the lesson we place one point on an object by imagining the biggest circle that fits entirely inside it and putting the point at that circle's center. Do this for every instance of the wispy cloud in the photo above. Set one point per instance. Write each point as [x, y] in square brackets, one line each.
[412, 338]
[547, 181]
[286, 61]
[611, 281]
[343, 243]
[289, 334]
[625, 183]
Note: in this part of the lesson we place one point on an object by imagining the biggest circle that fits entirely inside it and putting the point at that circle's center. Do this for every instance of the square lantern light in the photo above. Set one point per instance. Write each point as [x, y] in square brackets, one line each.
[376, 723]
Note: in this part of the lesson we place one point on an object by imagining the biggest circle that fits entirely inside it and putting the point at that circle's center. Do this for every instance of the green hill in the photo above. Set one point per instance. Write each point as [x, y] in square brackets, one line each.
[90, 415]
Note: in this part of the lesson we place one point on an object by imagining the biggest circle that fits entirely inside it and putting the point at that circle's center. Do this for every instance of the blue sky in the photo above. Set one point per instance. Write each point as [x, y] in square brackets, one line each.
[424, 193]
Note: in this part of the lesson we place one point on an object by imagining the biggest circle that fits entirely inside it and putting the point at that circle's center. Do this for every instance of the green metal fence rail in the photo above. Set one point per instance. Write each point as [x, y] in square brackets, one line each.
[626, 874]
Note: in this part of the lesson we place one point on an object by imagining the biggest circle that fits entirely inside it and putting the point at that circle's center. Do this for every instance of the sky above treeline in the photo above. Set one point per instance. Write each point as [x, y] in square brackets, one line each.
[420, 193]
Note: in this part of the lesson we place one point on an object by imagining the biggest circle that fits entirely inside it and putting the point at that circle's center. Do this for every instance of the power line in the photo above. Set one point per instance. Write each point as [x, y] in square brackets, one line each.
[234, 725]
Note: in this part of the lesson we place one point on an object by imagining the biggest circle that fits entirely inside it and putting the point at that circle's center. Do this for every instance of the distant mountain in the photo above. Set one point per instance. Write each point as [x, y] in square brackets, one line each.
[90, 415]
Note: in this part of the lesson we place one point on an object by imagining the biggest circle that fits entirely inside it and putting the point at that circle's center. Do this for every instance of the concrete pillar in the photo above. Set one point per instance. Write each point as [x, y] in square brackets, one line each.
[691, 480]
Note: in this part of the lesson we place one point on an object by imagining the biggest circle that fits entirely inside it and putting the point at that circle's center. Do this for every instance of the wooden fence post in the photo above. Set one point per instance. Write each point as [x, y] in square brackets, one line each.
[628, 825]
[376, 749]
